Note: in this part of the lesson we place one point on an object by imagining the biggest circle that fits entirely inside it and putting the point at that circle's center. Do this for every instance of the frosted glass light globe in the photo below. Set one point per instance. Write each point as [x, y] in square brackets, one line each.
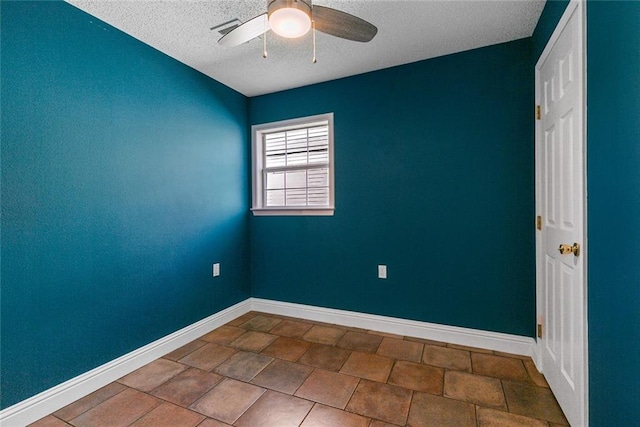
[289, 22]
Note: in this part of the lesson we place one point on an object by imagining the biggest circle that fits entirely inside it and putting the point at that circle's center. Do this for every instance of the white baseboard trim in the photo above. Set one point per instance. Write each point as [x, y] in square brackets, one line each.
[537, 356]
[43, 404]
[497, 341]
[49, 401]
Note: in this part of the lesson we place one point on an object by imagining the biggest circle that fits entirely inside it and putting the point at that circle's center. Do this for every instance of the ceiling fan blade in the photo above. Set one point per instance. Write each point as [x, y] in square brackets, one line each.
[245, 32]
[342, 24]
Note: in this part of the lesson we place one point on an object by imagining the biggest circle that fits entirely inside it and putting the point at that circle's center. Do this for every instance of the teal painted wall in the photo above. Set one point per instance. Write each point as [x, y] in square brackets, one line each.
[434, 177]
[613, 183]
[613, 204]
[124, 177]
[551, 14]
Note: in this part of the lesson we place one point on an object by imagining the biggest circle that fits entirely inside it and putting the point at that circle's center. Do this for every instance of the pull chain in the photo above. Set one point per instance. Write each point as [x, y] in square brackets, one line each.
[313, 25]
[264, 44]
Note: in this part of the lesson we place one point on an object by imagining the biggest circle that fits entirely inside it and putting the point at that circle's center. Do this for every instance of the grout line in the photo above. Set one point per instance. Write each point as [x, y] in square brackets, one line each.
[506, 403]
[351, 396]
[444, 373]
[307, 414]
[150, 410]
[406, 417]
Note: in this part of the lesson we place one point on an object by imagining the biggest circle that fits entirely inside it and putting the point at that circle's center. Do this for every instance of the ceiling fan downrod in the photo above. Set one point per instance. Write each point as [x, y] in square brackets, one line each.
[313, 28]
[264, 44]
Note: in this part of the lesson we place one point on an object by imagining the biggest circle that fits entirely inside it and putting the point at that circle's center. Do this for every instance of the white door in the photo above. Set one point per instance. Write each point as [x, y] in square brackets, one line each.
[560, 201]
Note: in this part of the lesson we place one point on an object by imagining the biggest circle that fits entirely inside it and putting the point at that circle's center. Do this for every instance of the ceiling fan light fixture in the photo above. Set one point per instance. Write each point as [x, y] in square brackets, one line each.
[290, 18]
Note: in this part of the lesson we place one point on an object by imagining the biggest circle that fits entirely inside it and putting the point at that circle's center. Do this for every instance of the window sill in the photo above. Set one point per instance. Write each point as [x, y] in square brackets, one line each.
[292, 212]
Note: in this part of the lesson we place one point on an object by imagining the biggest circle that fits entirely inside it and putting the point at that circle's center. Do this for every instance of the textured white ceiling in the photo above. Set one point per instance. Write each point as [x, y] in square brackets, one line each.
[408, 31]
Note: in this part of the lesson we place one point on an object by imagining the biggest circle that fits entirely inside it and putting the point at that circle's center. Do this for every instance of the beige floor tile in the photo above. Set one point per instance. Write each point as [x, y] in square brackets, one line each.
[223, 335]
[488, 417]
[467, 348]
[187, 387]
[208, 356]
[275, 409]
[119, 411]
[474, 389]
[287, 349]
[261, 323]
[90, 401]
[285, 377]
[435, 411]
[243, 366]
[532, 401]
[401, 349]
[325, 357]
[512, 355]
[416, 376]
[169, 415]
[381, 401]
[291, 328]
[360, 341]
[152, 375]
[534, 375]
[328, 388]
[49, 421]
[325, 416]
[253, 341]
[426, 341]
[386, 334]
[348, 328]
[228, 400]
[184, 350]
[323, 335]
[242, 319]
[505, 368]
[449, 358]
[369, 366]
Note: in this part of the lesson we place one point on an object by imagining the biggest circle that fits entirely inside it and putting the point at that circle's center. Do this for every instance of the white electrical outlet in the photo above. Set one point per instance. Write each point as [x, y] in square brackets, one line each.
[216, 269]
[382, 271]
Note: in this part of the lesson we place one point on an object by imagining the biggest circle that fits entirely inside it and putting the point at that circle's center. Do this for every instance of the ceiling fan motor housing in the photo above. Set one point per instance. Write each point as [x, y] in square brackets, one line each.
[302, 5]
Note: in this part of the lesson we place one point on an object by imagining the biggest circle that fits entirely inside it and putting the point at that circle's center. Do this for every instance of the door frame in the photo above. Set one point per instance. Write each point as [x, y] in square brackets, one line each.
[574, 6]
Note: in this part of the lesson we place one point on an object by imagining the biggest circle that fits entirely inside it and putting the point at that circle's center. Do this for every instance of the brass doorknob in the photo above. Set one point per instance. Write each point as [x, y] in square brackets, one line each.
[565, 249]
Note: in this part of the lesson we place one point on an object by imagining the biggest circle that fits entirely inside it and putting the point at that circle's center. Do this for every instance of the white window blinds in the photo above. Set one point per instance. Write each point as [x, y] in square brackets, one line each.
[296, 167]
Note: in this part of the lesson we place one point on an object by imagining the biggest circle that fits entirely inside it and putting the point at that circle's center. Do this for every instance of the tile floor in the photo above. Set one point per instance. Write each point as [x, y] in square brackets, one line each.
[263, 370]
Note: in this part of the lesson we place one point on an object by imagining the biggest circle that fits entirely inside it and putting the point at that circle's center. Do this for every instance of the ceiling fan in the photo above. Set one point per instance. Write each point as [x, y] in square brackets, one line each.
[294, 18]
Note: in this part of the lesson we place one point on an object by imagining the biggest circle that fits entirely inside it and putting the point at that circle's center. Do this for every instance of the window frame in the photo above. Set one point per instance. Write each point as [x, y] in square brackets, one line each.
[257, 166]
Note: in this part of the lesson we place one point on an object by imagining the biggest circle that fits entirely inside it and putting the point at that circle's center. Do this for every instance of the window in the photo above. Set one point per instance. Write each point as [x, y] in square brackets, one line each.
[293, 167]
